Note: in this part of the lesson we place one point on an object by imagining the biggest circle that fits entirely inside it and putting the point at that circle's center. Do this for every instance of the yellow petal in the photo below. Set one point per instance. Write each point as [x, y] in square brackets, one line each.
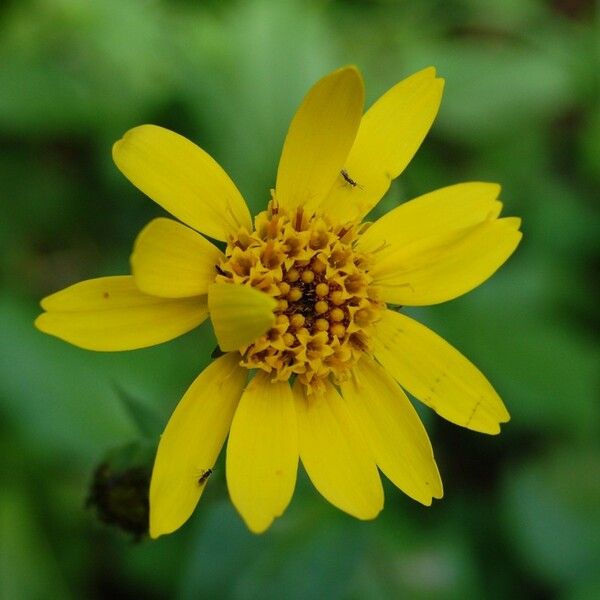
[436, 213]
[319, 139]
[437, 374]
[393, 431]
[335, 454]
[110, 313]
[173, 261]
[239, 314]
[262, 452]
[390, 133]
[191, 442]
[183, 179]
[446, 266]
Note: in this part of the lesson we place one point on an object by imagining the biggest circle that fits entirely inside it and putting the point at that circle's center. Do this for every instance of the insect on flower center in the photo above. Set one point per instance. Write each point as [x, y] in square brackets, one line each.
[326, 304]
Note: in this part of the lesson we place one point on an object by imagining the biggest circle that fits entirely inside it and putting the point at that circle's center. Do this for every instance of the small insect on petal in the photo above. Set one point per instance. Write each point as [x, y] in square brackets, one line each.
[204, 477]
[347, 178]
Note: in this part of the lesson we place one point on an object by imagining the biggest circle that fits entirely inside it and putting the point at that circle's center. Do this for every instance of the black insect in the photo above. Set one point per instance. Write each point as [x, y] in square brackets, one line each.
[205, 475]
[347, 178]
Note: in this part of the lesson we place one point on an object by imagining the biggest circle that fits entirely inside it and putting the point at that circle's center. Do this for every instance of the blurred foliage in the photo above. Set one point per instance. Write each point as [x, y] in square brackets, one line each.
[521, 512]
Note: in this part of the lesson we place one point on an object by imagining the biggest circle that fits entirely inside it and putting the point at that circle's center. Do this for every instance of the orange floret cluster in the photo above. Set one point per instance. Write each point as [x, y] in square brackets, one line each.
[325, 301]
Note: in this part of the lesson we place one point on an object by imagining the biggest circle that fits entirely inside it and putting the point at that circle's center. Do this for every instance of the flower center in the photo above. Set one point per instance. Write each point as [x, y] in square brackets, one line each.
[325, 302]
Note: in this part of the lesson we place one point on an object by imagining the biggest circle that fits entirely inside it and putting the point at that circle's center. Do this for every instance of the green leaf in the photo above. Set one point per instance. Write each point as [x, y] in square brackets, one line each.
[147, 419]
[28, 565]
[312, 547]
[552, 512]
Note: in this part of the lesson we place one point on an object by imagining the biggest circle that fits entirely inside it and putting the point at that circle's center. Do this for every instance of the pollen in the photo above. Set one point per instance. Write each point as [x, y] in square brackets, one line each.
[322, 289]
[297, 320]
[326, 306]
[321, 307]
[295, 294]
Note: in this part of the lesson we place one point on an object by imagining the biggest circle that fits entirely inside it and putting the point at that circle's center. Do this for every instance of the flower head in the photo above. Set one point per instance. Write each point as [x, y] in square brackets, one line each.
[305, 303]
[326, 304]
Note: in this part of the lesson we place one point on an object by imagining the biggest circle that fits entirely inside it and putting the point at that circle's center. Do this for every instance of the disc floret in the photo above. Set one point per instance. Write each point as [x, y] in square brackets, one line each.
[326, 304]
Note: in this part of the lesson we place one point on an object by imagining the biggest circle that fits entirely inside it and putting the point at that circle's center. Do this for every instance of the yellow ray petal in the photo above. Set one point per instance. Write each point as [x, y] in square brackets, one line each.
[262, 452]
[183, 179]
[110, 313]
[173, 261]
[239, 314]
[445, 210]
[191, 443]
[390, 133]
[446, 266]
[319, 139]
[437, 374]
[335, 454]
[393, 431]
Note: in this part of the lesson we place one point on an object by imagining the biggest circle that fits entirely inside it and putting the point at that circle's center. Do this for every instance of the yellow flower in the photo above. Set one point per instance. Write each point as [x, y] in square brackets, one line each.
[300, 299]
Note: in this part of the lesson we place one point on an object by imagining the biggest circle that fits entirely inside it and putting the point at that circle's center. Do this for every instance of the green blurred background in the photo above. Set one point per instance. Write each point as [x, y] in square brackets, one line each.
[521, 514]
